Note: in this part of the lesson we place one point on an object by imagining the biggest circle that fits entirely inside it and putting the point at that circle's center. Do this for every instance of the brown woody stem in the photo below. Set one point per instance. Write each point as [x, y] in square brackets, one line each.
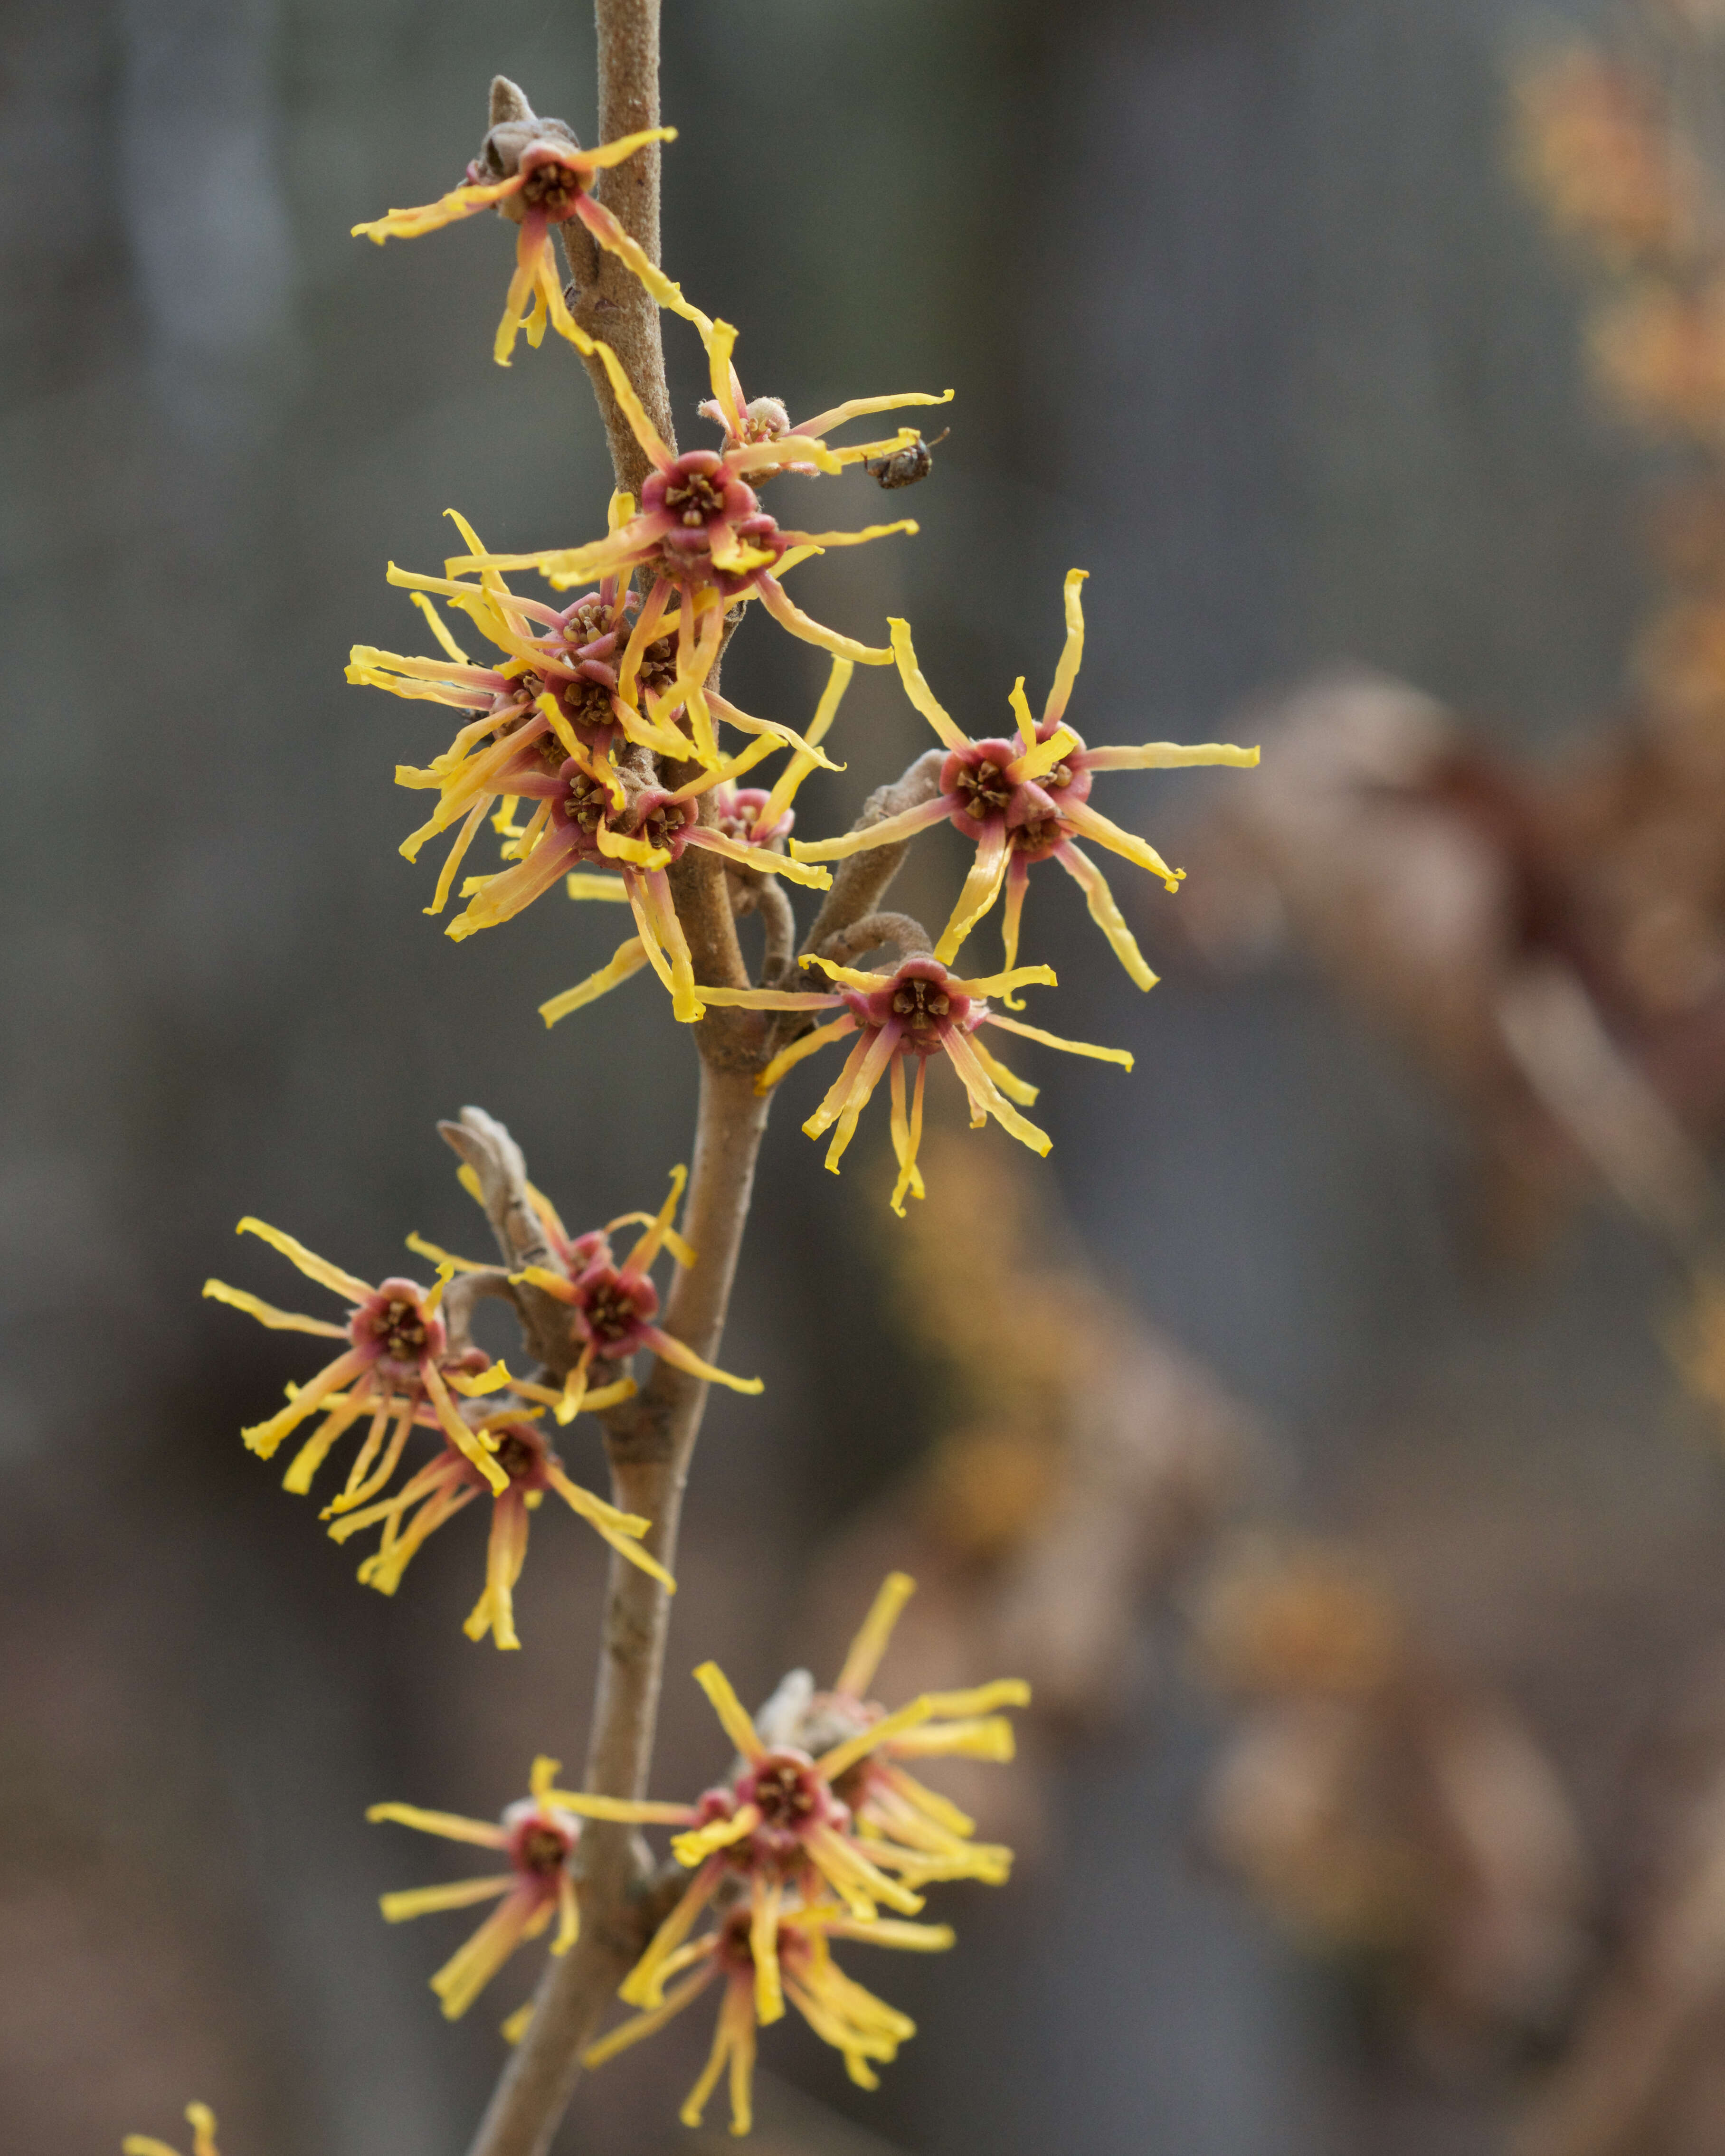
[609, 301]
[650, 1439]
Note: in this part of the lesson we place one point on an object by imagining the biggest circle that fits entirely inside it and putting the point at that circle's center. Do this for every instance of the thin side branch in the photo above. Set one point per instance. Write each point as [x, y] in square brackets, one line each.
[780, 923]
[860, 883]
[874, 932]
[495, 1159]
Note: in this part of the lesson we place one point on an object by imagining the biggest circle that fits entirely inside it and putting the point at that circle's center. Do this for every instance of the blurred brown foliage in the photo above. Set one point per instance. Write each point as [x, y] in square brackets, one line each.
[1082, 1462]
[1390, 1811]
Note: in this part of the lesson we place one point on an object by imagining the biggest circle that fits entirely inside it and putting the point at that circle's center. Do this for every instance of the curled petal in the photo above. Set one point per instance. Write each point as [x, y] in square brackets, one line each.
[1072, 657]
[460, 202]
[774, 598]
[314, 1267]
[1035, 761]
[759, 858]
[734, 1717]
[807, 1046]
[1094, 825]
[626, 961]
[669, 1349]
[611, 235]
[981, 887]
[889, 831]
[1053, 1040]
[856, 407]
[278, 1320]
[1106, 913]
[863, 1656]
[917, 689]
[428, 1901]
[645, 433]
[450, 1825]
[987, 1100]
[1170, 755]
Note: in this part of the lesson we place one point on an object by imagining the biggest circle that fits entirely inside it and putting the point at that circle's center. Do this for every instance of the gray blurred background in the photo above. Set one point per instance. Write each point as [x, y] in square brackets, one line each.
[1246, 315]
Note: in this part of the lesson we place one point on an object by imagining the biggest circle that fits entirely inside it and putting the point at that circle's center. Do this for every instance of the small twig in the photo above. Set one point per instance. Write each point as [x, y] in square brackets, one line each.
[495, 1159]
[780, 924]
[466, 1290]
[860, 883]
[908, 937]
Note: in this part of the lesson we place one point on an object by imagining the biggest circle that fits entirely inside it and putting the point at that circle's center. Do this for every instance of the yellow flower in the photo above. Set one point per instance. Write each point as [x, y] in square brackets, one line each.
[450, 1483]
[797, 1849]
[751, 423]
[864, 2029]
[569, 685]
[885, 1800]
[920, 1010]
[549, 186]
[746, 822]
[588, 819]
[614, 1308]
[704, 545]
[537, 1837]
[395, 1365]
[1026, 799]
[199, 2117]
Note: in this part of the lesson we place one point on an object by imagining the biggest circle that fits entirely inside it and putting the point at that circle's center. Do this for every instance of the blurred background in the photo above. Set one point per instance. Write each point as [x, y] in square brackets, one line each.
[1306, 1426]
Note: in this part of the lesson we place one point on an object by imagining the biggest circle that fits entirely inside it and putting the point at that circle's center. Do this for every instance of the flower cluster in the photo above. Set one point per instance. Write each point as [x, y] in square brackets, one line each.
[818, 1828]
[1025, 799]
[400, 1366]
[592, 739]
[597, 723]
[536, 1837]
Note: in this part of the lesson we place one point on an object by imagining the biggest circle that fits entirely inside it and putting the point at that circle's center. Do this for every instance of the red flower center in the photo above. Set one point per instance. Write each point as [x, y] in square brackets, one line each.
[1039, 832]
[589, 621]
[920, 999]
[739, 811]
[792, 1799]
[663, 822]
[787, 1791]
[614, 1312]
[396, 1328]
[540, 1840]
[693, 499]
[583, 802]
[541, 1849]
[921, 1003]
[983, 787]
[586, 702]
[520, 1454]
[551, 186]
